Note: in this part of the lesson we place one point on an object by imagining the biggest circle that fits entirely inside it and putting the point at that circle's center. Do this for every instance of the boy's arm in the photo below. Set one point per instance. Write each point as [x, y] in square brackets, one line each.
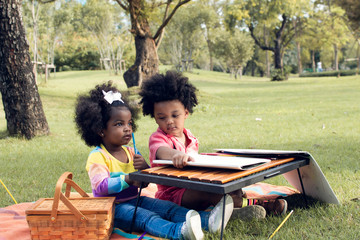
[178, 158]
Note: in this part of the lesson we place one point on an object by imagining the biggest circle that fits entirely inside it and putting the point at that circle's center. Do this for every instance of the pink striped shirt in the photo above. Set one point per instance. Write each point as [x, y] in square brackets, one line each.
[161, 139]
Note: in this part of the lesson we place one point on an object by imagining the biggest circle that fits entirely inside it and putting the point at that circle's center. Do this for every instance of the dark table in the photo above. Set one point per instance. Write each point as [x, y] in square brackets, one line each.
[225, 188]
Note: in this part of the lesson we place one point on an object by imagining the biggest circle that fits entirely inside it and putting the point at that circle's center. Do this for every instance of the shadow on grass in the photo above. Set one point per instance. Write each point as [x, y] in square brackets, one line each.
[4, 134]
[299, 201]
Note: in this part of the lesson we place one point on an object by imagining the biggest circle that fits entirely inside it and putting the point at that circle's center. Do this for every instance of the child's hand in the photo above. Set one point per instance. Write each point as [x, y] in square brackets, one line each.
[139, 162]
[138, 184]
[180, 159]
[135, 183]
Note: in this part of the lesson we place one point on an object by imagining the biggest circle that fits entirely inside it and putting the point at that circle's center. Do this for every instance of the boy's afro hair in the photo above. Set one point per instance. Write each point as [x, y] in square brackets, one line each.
[171, 86]
[92, 112]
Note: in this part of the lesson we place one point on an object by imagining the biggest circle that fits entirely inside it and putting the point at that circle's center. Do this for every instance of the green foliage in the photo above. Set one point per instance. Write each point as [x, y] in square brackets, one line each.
[277, 75]
[315, 115]
[352, 8]
[191, 32]
[77, 54]
[330, 73]
[183, 36]
[234, 49]
[318, 115]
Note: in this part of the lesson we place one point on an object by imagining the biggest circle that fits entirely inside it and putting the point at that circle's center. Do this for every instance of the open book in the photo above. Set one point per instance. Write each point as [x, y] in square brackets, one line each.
[239, 163]
[261, 153]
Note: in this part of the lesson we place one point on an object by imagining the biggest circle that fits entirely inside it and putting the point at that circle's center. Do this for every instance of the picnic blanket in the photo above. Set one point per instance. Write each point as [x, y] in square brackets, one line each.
[13, 224]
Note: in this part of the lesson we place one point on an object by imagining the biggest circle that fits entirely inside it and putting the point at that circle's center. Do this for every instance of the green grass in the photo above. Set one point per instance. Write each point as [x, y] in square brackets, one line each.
[318, 115]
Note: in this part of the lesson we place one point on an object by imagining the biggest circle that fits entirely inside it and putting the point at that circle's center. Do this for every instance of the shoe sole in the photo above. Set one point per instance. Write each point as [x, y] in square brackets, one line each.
[249, 212]
[229, 206]
[193, 221]
[285, 207]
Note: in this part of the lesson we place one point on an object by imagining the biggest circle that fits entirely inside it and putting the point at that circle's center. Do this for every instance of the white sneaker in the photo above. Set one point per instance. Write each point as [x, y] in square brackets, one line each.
[191, 230]
[215, 218]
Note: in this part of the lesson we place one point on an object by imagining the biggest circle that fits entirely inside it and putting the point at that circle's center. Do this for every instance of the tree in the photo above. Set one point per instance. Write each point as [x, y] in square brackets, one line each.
[316, 34]
[38, 23]
[337, 28]
[23, 108]
[104, 22]
[146, 44]
[209, 17]
[276, 16]
[183, 38]
[352, 9]
[235, 49]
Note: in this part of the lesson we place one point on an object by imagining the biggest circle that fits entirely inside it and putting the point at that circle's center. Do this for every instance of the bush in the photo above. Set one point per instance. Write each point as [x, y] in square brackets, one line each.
[330, 73]
[77, 59]
[277, 75]
[65, 68]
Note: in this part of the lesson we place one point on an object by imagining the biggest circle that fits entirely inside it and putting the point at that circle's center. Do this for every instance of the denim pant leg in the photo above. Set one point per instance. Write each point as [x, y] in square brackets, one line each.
[204, 220]
[146, 220]
[171, 211]
[166, 209]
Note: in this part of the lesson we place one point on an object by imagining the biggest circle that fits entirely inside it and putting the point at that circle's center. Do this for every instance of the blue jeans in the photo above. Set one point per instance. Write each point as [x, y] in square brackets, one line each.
[157, 217]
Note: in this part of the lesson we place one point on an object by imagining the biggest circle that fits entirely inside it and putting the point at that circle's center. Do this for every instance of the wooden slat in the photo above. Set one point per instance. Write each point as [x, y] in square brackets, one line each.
[215, 175]
[153, 169]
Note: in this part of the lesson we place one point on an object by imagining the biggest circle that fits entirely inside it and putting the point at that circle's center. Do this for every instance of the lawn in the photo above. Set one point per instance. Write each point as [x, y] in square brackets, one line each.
[318, 115]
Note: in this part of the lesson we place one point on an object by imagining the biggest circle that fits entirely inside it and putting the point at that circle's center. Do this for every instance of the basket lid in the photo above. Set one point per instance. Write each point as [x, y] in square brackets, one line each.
[87, 205]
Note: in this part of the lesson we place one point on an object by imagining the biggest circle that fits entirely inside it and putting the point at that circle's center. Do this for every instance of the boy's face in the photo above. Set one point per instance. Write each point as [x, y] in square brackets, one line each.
[119, 128]
[170, 116]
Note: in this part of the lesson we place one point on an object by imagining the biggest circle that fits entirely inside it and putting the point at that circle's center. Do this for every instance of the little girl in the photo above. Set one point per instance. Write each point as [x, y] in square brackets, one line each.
[170, 99]
[105, 120]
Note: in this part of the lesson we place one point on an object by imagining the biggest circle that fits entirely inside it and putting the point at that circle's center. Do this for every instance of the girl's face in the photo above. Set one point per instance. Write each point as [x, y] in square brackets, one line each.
[170, 116]
[119, 128]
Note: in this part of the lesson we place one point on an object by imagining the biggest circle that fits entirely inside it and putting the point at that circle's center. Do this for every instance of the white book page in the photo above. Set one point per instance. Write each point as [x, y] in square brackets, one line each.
[240, 163]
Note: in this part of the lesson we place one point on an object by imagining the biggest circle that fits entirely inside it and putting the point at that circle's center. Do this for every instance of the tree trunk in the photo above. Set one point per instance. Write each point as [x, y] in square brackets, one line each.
[210, 49]
[211, 62]
[299, 57]
[313, 60]
[266, 53]
[277, 54]
[34, 18]
[146, 62]
[336, 61]
[22, 105]
[298, 48]
[358, 57]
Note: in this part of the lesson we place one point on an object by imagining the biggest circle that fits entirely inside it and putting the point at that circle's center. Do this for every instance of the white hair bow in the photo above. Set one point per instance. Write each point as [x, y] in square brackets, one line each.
[111, 96]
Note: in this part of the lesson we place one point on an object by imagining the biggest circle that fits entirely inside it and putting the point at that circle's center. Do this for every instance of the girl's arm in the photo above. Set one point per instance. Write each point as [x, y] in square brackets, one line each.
[103, 184]
[139, 162]
[178, 158]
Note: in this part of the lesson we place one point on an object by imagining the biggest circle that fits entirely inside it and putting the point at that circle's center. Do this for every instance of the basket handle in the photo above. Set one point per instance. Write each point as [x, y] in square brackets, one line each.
[66, 177]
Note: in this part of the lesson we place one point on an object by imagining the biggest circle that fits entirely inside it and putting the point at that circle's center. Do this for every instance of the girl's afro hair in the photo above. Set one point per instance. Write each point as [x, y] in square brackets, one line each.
[92, 112]
[171, 86]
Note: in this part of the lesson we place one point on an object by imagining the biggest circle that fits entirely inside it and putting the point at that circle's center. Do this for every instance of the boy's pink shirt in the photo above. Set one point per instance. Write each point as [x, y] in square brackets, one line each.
[161, 139]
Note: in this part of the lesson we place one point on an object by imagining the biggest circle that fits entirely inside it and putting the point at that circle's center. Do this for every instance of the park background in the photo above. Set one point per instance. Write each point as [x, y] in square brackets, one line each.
[310, 113]
[239, 37]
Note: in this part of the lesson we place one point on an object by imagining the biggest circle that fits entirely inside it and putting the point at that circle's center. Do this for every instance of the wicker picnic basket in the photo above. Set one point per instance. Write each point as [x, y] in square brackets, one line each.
[64, 217]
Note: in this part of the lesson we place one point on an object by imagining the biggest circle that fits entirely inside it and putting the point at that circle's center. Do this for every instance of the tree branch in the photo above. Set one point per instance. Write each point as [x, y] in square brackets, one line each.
[46, 1]
[154, 5]
[289, 40]
[283, 23]
[158, 40]
[123, 6]
[257, 42]
[166, 21]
